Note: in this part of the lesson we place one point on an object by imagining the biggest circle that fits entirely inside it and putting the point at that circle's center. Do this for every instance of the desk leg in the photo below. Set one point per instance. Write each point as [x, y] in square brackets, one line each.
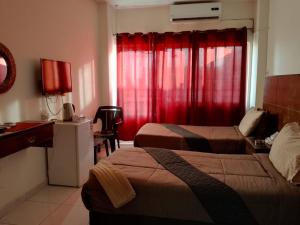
[47, 165]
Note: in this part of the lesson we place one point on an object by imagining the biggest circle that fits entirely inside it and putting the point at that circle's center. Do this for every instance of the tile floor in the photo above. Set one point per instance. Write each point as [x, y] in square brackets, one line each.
[52, 205]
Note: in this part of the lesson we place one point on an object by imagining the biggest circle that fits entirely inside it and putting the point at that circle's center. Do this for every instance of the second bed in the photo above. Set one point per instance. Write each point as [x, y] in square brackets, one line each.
[207, 138]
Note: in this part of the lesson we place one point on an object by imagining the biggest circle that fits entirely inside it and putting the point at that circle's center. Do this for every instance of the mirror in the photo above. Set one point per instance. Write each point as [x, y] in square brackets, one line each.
[7, 69]
[3, 70]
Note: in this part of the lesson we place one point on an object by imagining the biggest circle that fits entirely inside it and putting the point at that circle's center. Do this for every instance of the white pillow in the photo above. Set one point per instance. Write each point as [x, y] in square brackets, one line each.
[285, 152]
[250, 121]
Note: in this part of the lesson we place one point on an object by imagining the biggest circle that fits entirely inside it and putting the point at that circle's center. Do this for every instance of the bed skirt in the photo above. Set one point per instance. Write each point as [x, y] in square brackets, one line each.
[97, 218]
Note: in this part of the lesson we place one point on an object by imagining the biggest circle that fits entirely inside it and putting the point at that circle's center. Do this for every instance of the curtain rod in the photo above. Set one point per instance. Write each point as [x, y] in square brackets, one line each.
[251, 29]
[248, 28]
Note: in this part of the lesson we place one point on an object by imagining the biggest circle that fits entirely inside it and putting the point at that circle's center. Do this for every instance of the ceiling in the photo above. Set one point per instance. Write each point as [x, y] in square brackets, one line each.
[149, 3]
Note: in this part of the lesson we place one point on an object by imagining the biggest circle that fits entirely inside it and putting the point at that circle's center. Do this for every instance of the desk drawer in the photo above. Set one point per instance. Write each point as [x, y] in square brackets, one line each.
[37, 137]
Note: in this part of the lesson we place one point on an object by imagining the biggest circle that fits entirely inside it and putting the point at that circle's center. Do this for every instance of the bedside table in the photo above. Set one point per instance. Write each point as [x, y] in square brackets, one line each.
[251, 147]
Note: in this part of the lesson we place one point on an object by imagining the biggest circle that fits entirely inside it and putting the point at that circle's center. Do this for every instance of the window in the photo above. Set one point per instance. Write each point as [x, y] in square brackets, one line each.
[193, 78]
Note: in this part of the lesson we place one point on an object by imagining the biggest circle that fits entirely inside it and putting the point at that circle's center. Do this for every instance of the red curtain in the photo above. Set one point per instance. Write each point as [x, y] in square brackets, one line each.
[195, 78]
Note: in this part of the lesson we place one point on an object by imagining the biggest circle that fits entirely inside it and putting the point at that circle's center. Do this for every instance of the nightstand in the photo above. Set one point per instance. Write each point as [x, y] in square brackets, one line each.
[251, 147]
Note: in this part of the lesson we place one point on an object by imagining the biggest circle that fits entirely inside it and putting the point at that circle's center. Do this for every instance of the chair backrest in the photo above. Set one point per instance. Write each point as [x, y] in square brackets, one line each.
[109, 115]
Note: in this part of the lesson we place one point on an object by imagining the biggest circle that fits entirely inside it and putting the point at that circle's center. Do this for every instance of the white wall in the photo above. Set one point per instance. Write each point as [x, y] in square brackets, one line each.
[106, 59]
[260, 46]
[284, 37]
[58, 29]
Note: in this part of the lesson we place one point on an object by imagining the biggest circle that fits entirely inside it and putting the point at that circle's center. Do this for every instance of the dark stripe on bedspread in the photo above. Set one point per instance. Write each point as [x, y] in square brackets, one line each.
[194, 141]
[222, 203]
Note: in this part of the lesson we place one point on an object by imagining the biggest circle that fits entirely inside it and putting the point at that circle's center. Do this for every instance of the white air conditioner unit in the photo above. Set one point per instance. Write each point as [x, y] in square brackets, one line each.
[194, 11]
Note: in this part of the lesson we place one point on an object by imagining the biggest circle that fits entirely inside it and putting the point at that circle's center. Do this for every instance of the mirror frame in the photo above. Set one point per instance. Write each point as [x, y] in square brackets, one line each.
[11, 69]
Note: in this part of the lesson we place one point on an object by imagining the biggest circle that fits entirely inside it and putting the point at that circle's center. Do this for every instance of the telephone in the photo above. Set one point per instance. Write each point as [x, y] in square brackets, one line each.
[269, 140]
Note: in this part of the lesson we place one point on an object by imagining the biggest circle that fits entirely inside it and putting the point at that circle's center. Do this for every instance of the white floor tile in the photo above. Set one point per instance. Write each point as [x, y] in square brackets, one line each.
[53, 194]
[68, 215]
[29, 213]
[74, 199]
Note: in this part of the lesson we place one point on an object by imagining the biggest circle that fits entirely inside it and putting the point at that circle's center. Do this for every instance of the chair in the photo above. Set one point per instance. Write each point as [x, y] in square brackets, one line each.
[111, 118]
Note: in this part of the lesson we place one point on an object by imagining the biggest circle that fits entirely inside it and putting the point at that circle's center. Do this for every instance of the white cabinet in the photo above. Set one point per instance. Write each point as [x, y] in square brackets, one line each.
[71, 157]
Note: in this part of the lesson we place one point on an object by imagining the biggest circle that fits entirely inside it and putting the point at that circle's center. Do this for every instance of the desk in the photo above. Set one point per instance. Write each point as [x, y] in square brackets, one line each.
[26, 134]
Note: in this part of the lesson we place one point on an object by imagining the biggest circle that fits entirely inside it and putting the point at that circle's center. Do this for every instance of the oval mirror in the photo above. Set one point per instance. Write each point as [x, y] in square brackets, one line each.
[3, 70]
[7, 69]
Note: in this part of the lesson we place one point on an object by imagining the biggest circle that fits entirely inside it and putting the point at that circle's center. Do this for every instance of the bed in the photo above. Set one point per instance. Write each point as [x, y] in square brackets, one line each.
[204, 138]
[281, 105]
[163, 197]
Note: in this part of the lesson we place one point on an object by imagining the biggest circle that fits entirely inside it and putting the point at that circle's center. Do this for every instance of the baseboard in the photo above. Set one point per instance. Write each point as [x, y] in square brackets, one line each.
[22, 198]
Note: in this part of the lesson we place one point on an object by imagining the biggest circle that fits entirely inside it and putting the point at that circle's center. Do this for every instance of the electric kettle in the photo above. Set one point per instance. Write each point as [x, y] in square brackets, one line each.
[68, 111]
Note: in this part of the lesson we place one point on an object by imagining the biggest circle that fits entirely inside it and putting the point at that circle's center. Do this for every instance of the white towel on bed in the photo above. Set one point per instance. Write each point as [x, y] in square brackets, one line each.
[115, 184]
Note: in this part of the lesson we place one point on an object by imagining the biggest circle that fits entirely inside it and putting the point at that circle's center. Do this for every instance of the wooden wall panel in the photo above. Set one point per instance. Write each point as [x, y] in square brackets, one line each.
[282, 98]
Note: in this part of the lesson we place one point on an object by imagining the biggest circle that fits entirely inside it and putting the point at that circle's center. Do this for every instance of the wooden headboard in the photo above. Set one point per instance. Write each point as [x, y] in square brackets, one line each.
[282, 98]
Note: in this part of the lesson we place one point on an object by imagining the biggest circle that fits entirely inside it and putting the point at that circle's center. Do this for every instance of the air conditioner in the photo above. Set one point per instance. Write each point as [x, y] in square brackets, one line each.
[193, 11]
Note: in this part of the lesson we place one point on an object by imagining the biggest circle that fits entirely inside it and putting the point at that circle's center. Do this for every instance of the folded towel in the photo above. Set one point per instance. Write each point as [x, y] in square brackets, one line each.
[115, 184]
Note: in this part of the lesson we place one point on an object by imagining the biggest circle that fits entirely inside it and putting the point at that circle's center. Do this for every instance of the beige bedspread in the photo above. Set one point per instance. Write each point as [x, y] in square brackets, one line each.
[271, 199]
[221, 139]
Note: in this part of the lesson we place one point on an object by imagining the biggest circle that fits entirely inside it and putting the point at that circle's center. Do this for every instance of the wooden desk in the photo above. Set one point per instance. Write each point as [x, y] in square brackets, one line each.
[26, 134]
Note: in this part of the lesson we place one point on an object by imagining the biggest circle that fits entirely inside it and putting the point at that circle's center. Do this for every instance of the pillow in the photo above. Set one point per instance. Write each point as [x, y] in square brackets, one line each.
[285, 152]
[250, 121]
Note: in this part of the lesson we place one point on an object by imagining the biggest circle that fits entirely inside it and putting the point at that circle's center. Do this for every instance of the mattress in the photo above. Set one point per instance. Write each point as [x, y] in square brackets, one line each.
[267, 195]
[224, 140]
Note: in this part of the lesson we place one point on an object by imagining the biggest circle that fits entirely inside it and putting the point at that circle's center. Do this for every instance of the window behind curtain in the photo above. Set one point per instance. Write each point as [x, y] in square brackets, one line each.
[195, 78]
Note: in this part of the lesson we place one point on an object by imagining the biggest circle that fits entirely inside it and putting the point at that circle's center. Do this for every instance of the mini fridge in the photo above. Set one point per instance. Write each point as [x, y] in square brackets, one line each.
[71, 157]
